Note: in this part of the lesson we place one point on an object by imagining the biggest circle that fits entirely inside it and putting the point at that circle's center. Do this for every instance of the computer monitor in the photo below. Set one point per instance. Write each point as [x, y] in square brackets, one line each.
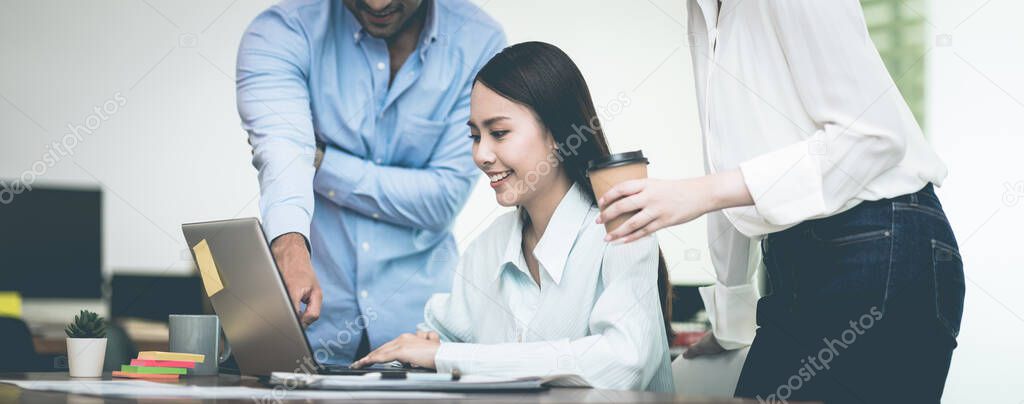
[154, 297]
[51, 243]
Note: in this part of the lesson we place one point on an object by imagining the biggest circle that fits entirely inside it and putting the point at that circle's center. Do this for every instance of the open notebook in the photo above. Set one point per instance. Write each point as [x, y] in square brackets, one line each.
[427, 382]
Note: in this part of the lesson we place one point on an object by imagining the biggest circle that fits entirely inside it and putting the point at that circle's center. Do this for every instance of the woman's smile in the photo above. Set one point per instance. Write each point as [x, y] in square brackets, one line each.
[499, 178]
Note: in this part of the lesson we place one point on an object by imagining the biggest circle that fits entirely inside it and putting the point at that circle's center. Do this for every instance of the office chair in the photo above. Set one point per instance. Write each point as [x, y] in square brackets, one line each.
[18, 351]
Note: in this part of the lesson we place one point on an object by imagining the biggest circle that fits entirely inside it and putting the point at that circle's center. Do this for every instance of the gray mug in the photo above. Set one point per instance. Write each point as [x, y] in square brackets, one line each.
[199, 334]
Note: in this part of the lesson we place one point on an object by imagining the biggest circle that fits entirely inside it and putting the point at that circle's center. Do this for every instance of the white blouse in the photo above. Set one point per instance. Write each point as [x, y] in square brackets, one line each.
[795, 95]
[596, 313]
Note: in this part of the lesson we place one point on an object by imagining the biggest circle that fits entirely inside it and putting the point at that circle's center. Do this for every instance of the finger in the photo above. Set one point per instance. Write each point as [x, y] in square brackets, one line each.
[313, 306]
[423, 334]
[622, 206]
[697, 350]
[380, 355]
[623, 189]
[433, 336]
[647, 230]
[707, 345]
[636, 235]
[640, 220]
[692, 353]
[384, 348]
[297, 295]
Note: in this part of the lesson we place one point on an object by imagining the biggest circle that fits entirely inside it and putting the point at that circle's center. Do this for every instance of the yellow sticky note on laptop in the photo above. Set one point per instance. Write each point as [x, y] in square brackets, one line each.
[10, 304]
[207, 268]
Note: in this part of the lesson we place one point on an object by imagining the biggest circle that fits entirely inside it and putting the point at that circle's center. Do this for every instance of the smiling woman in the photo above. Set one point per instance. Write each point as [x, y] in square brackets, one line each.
[539, 292]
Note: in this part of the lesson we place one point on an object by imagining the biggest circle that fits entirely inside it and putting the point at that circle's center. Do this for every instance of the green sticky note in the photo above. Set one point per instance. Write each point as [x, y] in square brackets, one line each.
[153, 370]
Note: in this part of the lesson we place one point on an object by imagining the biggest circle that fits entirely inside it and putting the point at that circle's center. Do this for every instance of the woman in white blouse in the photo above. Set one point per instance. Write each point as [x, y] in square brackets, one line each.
[811, 149]
[540, 292]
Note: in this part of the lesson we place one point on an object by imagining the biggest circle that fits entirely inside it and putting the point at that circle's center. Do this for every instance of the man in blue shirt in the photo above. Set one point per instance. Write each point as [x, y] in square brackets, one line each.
[356, 111]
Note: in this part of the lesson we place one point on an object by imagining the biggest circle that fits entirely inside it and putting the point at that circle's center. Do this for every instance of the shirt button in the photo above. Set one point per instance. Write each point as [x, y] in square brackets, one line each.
[330, 194]
[380, 66]
[364, 293]
[376, 215]
[366, 246]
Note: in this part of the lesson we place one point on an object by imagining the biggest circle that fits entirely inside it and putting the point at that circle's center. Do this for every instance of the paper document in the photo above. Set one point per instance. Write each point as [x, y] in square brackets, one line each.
[146, 389]
[415, 383]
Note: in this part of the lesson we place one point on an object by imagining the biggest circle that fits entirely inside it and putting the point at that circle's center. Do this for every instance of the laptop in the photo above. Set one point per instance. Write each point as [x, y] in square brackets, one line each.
[253, 305]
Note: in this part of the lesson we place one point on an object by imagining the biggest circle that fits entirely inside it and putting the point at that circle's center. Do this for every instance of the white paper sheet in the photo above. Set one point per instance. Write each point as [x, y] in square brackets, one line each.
[147, 389]
[425, 382]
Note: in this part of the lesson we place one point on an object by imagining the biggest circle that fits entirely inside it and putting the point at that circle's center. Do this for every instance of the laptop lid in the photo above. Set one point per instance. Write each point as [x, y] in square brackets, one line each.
[253, 305]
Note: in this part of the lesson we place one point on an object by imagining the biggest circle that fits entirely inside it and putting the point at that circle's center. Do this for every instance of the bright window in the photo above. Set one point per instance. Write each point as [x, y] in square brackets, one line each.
[898, 29]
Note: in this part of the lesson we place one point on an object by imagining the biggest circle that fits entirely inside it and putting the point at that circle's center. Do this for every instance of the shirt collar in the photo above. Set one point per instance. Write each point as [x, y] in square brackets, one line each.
[427, 37]
[552, 251]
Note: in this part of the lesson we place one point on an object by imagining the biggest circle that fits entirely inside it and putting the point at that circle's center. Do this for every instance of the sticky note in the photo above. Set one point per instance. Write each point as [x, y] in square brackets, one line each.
[152, 370]
[164, 364]
[207, 268]
[171, 356]
[10, 304]
[144, 376]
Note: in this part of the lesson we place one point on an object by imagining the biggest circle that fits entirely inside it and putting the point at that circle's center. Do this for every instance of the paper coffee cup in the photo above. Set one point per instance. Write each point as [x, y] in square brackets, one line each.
[612, 170]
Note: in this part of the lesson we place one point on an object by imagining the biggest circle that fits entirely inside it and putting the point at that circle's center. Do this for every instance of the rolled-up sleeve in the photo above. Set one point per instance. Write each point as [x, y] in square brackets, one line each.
[627, 344]
[273, 103]
[849, 94]
[731, 303]
[426, 198]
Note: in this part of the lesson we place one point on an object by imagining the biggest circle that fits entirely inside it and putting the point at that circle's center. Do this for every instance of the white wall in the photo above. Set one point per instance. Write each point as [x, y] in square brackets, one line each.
[975, 92]
[174, 152]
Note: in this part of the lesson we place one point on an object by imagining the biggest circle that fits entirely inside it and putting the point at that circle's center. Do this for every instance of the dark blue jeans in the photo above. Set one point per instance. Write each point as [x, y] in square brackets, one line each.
[863, 306]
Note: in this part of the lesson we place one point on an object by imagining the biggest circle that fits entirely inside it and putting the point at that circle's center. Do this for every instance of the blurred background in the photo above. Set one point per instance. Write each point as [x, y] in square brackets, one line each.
[149, 84]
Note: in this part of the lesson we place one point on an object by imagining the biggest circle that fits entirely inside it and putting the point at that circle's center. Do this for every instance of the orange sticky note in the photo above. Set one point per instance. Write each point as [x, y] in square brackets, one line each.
[117, 373]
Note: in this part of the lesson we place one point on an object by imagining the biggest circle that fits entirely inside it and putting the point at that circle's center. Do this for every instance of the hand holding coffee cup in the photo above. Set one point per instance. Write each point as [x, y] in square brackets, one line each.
[636, 206]
[607, 172]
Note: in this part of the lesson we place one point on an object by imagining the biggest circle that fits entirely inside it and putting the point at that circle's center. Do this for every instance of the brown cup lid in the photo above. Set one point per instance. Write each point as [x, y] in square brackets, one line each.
[618, 159]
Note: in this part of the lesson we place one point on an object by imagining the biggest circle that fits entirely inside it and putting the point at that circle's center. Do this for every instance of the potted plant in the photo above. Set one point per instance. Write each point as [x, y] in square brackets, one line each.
[87, 344]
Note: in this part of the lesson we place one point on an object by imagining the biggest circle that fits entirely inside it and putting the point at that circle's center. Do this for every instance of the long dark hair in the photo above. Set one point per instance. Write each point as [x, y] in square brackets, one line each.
[542, 77]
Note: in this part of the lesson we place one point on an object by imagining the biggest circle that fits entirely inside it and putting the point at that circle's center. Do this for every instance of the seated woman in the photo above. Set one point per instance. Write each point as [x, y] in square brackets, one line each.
[539, 292]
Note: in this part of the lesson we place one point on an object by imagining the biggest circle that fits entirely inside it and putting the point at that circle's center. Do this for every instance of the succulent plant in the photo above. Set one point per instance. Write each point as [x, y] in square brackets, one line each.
[87, 325]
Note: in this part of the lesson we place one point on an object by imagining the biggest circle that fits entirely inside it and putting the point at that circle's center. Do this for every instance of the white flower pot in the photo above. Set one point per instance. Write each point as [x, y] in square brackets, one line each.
[85, 356]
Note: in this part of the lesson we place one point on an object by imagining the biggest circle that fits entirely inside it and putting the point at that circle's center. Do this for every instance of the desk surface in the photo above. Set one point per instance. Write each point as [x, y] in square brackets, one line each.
[8, 391]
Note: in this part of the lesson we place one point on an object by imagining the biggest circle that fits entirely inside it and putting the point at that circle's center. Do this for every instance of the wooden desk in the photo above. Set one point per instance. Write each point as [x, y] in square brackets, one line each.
[10, 393]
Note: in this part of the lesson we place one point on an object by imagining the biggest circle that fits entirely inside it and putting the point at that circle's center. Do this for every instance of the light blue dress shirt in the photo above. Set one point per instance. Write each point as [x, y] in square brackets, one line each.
[397, 168]
[595, 314]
